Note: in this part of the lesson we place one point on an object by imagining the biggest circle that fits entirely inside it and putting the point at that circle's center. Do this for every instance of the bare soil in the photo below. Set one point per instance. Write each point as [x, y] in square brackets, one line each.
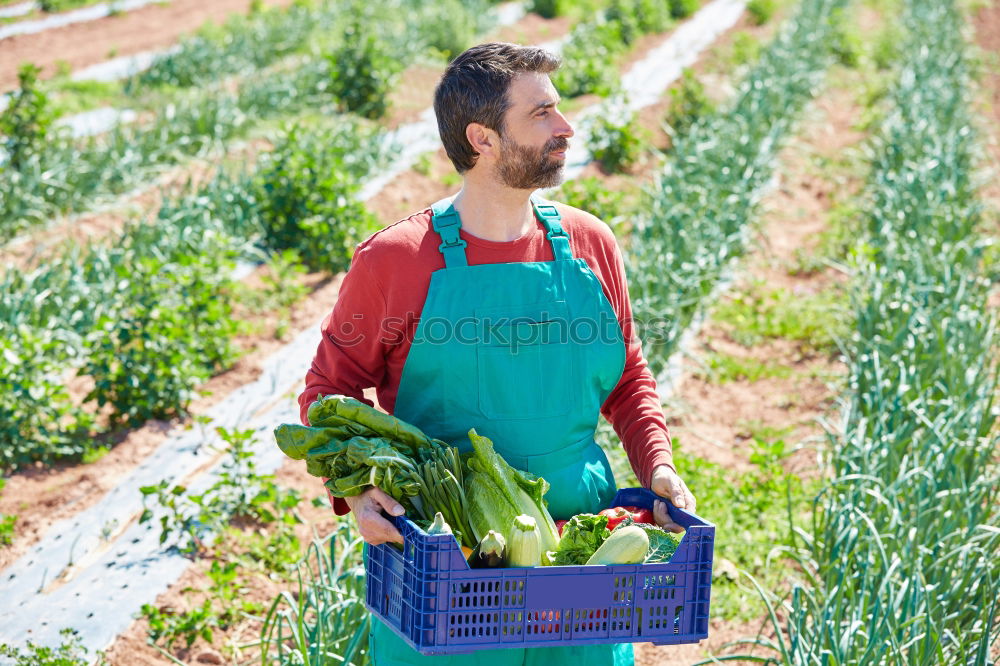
[154, 26]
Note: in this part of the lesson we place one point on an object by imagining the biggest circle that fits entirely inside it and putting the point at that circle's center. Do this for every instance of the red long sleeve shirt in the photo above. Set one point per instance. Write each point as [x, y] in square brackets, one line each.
[388, 281]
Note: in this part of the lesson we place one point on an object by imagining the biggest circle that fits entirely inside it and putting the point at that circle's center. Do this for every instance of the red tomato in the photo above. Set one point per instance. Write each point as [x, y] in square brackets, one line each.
[618, 513]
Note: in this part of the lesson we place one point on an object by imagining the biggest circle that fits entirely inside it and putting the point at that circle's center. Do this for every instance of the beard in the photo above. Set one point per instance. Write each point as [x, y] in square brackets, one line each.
[525, 168]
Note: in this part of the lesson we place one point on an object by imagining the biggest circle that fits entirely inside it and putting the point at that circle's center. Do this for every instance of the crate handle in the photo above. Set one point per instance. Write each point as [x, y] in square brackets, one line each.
[644, 497]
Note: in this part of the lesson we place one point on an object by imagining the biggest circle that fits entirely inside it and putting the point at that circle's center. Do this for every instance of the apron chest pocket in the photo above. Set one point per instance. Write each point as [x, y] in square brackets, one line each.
[525, 361]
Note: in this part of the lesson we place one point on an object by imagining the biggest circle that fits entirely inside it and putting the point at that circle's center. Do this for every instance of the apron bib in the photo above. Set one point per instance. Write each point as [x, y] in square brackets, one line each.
[526, 353]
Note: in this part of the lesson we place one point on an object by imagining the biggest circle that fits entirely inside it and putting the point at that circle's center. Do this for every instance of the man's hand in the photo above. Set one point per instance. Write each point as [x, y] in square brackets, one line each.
[367, 508]
[666, 483]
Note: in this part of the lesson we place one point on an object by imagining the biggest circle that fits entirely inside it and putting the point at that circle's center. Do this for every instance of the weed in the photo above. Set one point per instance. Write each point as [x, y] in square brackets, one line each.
[744, 49]
[817, 321]
[25, 122]
[273, 552]
[226, 590]
[7, 529]
[886, 47]
[239, 492]
[759, 430]
[848, 44]
[167, 623]
[67, 96]
[281, 287]
[306, 188]
[590, 194]
[363, 71]
[590, 59]
[724, 368]
[761, 11]
[94, 454]
[423, 165]
[688, 102]
[615, 139]
[70, 652]
[683, 8]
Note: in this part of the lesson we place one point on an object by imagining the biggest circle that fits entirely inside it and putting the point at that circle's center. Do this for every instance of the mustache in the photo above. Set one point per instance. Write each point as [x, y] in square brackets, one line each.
[557, 145]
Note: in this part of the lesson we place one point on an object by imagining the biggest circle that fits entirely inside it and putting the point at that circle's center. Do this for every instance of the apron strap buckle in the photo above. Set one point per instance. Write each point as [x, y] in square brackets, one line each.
[451, 243]
[452, 247]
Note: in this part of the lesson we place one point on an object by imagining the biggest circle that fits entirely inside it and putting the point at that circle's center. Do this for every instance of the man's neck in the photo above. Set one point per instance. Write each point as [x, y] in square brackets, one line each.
[494, 212]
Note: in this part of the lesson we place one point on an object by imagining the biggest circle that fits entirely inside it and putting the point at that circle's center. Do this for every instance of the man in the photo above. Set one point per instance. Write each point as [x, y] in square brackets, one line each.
[502, 312]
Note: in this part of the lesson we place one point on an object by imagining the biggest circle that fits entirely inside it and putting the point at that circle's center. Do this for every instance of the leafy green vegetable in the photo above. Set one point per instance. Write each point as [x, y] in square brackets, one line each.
[355, 447]
[581, 537]
[334, 410]
[497, 493]
[662, 544]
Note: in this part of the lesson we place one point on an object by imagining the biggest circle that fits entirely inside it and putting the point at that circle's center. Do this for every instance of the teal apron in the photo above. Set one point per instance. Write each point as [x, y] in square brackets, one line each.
[526, 353]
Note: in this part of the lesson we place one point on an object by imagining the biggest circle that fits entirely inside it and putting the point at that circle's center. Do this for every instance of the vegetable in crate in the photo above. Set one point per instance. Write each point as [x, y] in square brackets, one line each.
[490, 552]
[496, 493]
[357, 446]
[582, 535]
[626, 545]
[525, 545]
[617, 514]
[438, 526]
[662, 544]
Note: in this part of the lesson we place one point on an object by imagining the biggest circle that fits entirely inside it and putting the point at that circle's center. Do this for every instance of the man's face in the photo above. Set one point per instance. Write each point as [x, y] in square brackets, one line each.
[535, 139]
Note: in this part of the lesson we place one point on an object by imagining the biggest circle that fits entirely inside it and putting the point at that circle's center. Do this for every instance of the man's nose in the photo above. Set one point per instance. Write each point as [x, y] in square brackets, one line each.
[565, 129]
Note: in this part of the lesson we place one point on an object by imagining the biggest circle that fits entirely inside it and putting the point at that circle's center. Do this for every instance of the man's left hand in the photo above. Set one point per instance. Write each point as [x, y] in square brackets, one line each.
[666, 483]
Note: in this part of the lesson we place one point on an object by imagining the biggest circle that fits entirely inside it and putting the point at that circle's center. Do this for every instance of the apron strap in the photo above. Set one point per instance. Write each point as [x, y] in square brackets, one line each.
[444, 219]
[550, 217]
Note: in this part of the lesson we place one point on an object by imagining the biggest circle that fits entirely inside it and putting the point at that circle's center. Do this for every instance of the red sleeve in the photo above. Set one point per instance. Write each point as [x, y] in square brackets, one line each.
[351, 353]
[350, 357]
[633, 407]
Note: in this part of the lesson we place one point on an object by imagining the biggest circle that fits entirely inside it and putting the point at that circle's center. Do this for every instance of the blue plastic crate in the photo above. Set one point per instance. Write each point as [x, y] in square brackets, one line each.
[430, 597]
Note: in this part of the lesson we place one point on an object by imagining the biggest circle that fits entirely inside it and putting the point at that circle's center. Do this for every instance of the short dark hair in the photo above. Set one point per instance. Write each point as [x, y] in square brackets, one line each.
[474, 89]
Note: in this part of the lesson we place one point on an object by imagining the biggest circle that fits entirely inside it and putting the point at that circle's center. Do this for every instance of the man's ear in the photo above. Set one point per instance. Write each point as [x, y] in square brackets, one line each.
[482, 139]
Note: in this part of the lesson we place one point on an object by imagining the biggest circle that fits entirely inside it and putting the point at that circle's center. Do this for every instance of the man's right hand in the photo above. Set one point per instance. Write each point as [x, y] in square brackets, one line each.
[367, 509]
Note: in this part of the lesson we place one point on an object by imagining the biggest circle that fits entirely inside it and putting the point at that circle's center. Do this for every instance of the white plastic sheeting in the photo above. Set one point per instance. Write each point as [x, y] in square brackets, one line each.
[94, 571]
[19, 9]
[121, 67]
[645, 82]
[81, 15]
[96, 121]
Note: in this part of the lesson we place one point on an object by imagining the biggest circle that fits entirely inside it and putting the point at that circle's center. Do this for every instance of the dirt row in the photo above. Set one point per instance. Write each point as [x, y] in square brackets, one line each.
[155, 26]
